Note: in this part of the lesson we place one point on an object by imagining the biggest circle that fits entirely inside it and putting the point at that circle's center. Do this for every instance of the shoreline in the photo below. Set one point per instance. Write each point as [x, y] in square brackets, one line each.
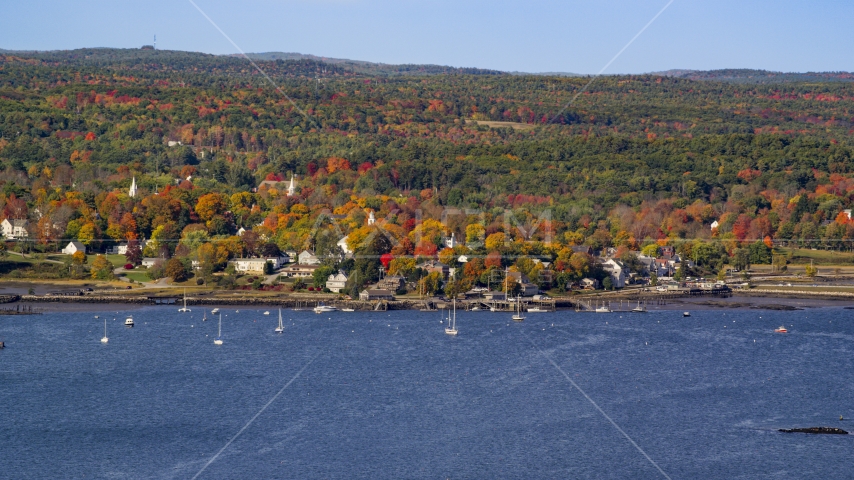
[47, 297]
[736, 301]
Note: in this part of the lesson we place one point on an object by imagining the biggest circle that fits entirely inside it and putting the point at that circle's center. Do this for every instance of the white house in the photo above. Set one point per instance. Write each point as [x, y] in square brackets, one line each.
[715, 224]
[299, 271]
[255, 265]
[336, 282]
[617, 271]
[74, 247]
[342, 244]
[15, 228]
[149, 262]
[122, 249]
[307, 258]
[371, 218]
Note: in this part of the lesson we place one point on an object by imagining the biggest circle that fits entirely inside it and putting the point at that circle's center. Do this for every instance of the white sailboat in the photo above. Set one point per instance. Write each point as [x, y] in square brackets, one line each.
[218, 339]
[280, 328]
[451, 329]
[184, 308]
[105, 339]
[518, 317]
[205, 316]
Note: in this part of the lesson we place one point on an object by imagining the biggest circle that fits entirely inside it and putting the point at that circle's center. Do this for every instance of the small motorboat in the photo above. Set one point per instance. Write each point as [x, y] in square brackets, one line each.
[603, 309]
[2, 345]
[781, 329]
[686, 314]
[348, 310]
[214, 311]
[324, 309]
[537, 310]
[129, 321]
[266, 313]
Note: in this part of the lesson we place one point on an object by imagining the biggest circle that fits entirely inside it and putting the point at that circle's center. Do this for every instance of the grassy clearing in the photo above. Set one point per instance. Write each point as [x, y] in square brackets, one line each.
[116, 260]
[821, 257]
[137, 276]
[808, 287]
[513, 125]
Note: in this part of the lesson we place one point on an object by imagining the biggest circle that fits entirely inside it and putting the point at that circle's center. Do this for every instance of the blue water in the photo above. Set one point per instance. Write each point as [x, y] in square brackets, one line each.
[389, 395]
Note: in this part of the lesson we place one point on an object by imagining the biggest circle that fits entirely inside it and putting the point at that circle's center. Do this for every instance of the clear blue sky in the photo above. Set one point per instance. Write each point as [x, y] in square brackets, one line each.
[533, 36]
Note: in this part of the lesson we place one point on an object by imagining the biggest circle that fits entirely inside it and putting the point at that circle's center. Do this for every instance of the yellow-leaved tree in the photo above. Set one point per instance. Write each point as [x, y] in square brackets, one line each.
[475, 233]
[210, 205]
[87, 234]
[495, 241]
[102, 269]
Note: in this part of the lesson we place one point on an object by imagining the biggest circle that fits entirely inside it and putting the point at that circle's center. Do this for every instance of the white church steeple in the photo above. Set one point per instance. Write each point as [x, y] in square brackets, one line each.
[132, 190]
[292, 188]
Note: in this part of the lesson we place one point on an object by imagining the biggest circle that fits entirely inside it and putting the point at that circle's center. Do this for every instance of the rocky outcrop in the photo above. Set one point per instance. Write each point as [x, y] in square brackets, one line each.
[830, 430]
[9, 298]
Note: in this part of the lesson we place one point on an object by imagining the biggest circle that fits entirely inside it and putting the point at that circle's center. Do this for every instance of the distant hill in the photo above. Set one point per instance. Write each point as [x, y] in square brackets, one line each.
[372, 68]
[149, 59]
[289, 64]
[744, 75]
[155, 63]
[549, 74]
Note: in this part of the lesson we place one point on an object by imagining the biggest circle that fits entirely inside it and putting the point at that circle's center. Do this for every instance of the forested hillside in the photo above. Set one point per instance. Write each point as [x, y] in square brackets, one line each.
[635, 160]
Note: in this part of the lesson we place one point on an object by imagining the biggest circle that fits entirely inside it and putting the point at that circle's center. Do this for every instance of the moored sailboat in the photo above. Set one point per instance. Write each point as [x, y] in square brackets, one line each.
[518, 317]
[218, 339]
[105, 339]
[281, 327]
[184, 308]
[451, 329]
